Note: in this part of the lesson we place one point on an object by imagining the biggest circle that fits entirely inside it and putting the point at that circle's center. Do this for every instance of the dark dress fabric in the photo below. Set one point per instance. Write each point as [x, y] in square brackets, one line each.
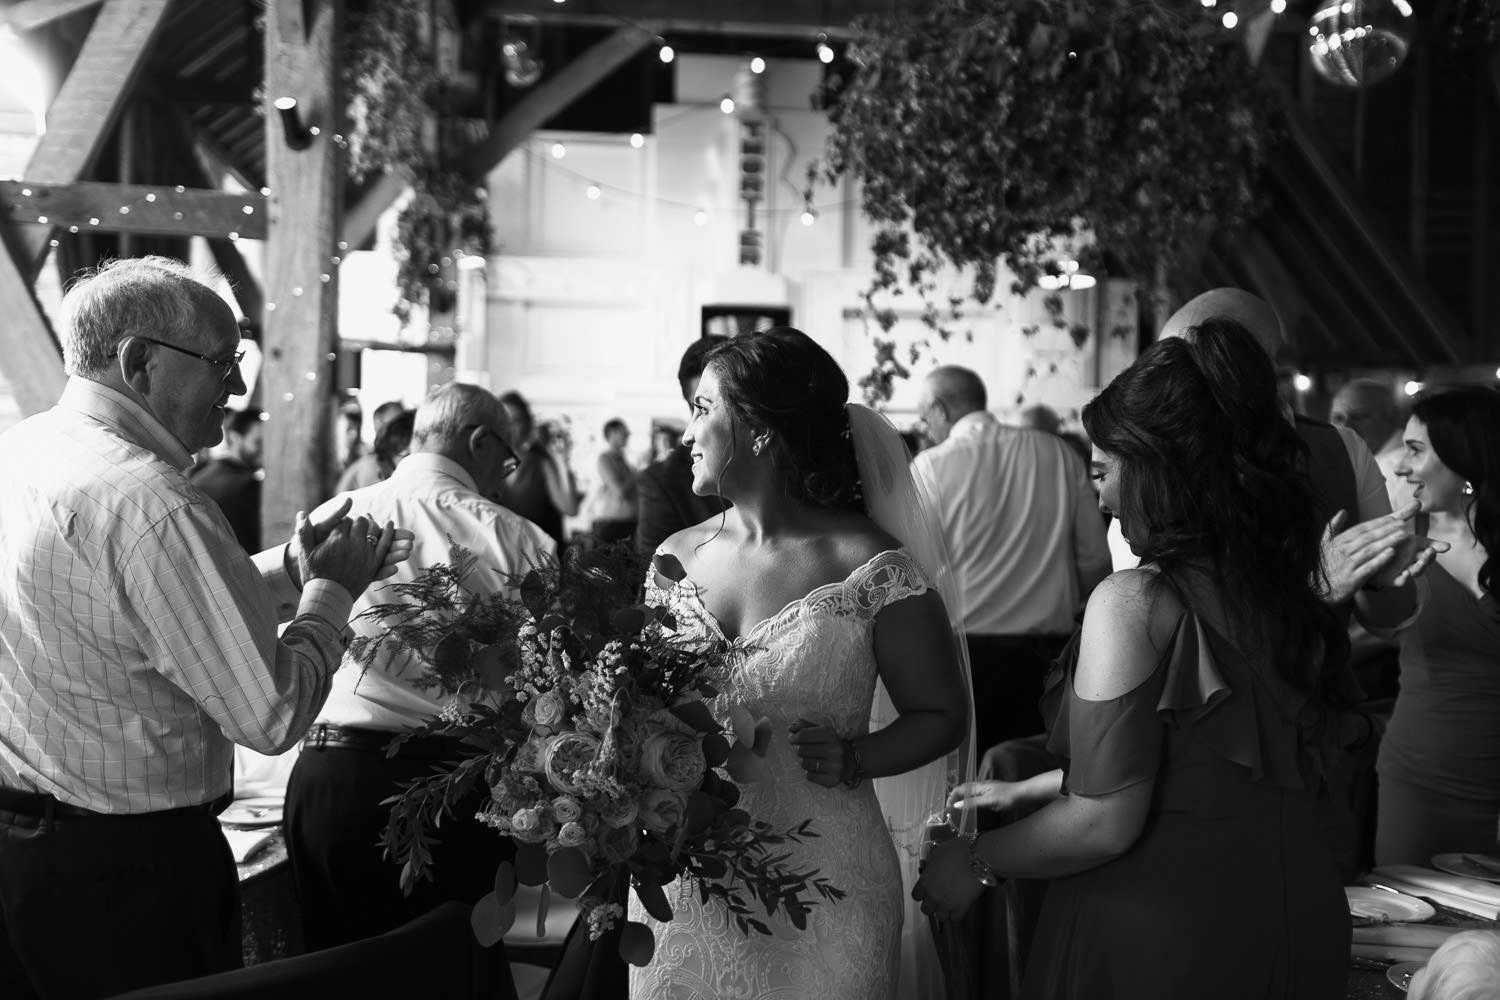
[1231, 890]
[232, 485]
[1439, 762]
[525, 492]
[666, 501]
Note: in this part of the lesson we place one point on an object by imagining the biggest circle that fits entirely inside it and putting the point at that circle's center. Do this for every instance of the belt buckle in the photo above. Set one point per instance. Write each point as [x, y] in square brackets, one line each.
[320, 736]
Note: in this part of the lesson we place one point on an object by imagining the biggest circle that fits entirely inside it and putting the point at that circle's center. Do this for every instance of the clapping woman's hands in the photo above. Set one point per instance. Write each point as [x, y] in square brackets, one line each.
[820, 751]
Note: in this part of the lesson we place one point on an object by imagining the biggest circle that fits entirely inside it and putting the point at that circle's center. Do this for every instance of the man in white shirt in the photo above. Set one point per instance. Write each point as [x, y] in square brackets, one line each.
[1026, 538]
[138, 645]
[461, 453]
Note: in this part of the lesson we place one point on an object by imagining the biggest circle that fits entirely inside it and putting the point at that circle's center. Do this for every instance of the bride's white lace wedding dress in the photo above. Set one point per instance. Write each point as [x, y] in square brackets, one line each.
[814, 659]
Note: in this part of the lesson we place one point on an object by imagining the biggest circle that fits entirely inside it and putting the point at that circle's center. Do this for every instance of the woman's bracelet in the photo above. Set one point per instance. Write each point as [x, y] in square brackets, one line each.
[857, 772]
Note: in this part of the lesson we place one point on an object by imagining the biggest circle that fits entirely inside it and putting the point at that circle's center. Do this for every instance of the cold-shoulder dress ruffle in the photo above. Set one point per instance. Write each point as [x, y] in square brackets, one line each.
[1231, 890]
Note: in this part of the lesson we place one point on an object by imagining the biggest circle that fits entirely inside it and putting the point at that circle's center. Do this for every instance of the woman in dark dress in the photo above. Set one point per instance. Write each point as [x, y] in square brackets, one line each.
[1439, 762]
[1194, 711]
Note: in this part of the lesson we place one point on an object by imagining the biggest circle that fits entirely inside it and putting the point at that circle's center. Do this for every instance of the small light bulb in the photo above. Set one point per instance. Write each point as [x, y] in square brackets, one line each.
[559, 150]
[1208, 3]
[1278, 6]
[727, 105]
[700, 218]
[825, 53]
[1301, 382]
[637, 140]
[1079, 282]
[594, 192]
[667, 54]
[809, 217]
[1413, 387]
[757, 65]
[1231, 19]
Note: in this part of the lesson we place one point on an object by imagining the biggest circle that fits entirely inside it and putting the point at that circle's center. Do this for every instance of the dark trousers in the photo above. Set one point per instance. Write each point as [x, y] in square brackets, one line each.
[346, 888]
[91, 907]
[1008, 672]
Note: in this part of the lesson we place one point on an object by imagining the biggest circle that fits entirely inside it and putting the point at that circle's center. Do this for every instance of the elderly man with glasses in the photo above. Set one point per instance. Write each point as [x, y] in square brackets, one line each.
[138, 644]
[460, 454]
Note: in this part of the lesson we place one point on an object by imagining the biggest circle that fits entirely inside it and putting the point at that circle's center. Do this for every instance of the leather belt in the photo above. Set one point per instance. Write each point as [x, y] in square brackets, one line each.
[43, 806]
[426, 748]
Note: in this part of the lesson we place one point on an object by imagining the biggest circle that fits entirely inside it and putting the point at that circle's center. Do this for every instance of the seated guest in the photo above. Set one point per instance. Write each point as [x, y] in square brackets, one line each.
[460, 454]
[138, 645]
[1191, 712]
[230, 479]
[1439, 762]
[1464, 967]
[392, 442]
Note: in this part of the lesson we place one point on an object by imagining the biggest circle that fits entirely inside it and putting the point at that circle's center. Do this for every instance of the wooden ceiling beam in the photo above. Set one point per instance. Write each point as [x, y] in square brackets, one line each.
[553, 95]
[29, 14]
[540, 103]
[150, 209]
[791, 18]
[29, 357]
[86, 108]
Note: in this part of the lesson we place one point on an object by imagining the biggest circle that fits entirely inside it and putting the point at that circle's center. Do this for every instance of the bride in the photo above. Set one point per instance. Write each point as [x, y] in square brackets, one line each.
[821, 602]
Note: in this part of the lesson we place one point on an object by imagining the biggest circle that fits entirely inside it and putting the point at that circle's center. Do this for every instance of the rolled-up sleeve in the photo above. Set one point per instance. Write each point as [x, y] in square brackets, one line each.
[206, 621]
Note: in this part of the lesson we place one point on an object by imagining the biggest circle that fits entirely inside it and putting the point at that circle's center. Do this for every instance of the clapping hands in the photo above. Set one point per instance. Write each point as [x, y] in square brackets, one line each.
[350, 552]
[1358, 555]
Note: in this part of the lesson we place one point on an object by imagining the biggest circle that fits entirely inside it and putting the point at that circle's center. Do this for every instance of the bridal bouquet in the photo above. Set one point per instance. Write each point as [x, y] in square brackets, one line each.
[592, 745]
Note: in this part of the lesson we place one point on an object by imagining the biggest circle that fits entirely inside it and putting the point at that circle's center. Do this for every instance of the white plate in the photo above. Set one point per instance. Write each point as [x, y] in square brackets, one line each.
[1459, 864]
[1400, 974]
[264, 811]
[1380, 904]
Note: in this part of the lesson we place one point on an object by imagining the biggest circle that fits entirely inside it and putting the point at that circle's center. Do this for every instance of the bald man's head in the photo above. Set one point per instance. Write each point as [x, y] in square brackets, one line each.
[1368, 408]
[1253, 313]
[948, 393]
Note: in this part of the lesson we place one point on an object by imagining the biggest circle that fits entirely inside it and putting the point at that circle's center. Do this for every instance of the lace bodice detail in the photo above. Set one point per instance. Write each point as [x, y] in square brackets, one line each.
[815, 654]
[814, 659]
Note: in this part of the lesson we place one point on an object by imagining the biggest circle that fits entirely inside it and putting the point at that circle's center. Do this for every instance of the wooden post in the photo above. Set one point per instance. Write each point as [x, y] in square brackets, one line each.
[301, 286]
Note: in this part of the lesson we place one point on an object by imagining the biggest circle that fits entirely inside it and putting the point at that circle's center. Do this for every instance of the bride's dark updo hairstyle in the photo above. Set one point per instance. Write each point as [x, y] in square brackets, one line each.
[1217, 477]
[780, 381]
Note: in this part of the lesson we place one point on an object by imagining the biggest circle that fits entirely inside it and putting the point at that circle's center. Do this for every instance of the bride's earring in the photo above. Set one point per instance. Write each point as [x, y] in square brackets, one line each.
[758, 445]
[1468, 486]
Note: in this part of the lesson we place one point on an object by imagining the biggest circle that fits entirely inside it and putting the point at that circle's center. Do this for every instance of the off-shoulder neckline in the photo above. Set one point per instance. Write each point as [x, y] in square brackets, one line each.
[692, 589]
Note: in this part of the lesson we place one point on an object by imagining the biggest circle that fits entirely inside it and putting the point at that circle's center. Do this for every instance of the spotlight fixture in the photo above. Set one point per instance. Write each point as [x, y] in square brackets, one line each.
[297, 134]
[667, 54]
[825, 51]
[637, 140]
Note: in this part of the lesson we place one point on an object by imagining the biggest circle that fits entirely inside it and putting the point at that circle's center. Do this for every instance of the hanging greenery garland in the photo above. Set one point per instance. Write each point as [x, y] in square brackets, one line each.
[984, 131]
[395, 101]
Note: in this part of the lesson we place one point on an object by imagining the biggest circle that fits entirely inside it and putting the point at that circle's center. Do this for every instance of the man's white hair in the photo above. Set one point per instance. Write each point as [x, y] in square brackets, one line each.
[441, 421]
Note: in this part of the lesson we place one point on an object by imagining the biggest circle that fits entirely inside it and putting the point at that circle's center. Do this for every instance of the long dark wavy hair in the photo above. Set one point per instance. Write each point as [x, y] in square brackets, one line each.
[781, 381]
[1217, 477]
[1464, 428]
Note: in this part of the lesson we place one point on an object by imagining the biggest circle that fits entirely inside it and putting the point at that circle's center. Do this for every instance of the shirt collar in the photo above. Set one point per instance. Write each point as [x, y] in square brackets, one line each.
[422, 464]
[972, 423]
[134, 421]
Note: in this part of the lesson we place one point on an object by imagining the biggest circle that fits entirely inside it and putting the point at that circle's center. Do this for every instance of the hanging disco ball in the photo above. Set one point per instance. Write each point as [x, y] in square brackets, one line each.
[522, 69]
[1354, 43]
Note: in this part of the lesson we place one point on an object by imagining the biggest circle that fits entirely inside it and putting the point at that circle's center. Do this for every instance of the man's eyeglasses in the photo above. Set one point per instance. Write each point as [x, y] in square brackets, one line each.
[511, 463]
[224, 366]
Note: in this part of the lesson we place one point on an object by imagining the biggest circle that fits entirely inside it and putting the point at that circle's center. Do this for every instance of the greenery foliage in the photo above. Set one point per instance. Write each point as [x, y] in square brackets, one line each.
[989, 131]
[589, 742]
[395, 97]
